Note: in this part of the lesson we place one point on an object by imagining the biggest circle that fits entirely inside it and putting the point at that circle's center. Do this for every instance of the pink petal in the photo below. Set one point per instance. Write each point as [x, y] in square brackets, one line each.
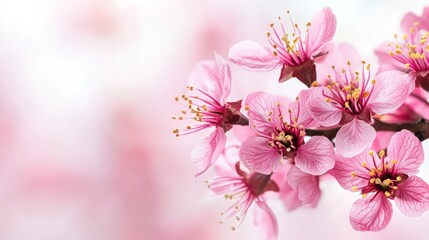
[354, 137]
[387, 62]
[300, 111]
[412, 197]
[418, 102]
[371, 213]
[259, 105]
[242, 132]
[338, 55]
[253, 56]
[323, 112]
[344, 167]
[208, 151]
[408, 21]
[316, 156]
[407, 150]
[212, 77]
[307, 186]
[381, 140]
[225, 165]
[265, 220]
[288, 196]
[389, 92]
[224, 79]
[322, 30]
[258, 156]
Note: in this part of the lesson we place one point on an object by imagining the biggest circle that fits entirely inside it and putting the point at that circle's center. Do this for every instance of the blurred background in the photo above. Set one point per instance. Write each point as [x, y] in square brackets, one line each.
[87, 90]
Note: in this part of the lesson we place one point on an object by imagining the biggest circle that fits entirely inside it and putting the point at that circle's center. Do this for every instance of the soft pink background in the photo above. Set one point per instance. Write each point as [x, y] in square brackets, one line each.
[87, 91]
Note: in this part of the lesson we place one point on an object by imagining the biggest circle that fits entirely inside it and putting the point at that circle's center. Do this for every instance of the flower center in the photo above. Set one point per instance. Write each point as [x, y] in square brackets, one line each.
[412, 51]
[348, 90]
[208, 112]
[287, 140]
[382, 179]
[289, 48]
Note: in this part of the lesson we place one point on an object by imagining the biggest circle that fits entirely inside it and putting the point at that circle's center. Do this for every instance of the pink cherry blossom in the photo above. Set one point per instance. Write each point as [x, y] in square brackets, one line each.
[247, 188]
[287, 194]
[281, 138]
[408, 54]
[289, 51]
[207, 106]
[381, 178]
[351, 99]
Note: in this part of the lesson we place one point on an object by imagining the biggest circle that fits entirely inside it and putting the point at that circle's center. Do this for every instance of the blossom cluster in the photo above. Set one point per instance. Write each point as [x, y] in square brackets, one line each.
[360, 123]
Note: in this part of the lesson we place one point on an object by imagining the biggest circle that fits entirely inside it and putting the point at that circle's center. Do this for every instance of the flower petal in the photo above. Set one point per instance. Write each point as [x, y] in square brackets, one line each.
[300, 112]
[407, 150]
[316, 156]
[412, 197]
[354, 137]
[344, 167]
[208, 151]
[265, 220]
[322, 30]
[212, 77]
[338, 55]
[389, 91]
[253, 56]
[258, 156]
[323, 112]
[410, 19]
[287, 195]
[372, 213]
[307, 185]
[259, 105]
[381, 141]
[387, 62]
[224, 79]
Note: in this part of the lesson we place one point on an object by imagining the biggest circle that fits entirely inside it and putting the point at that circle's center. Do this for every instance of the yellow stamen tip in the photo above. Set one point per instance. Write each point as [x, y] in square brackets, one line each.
[354, 188]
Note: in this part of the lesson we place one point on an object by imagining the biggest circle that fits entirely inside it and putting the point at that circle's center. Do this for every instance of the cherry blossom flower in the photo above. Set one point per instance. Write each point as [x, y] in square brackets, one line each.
[291, 52]
[280, 139]
[382, 178]
[207, 106]
[287, 194]
[411, 53]
[246, 188]
[351, 99]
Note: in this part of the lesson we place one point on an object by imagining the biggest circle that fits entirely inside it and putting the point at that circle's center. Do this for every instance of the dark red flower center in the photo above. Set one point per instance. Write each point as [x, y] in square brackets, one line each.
[382, 177]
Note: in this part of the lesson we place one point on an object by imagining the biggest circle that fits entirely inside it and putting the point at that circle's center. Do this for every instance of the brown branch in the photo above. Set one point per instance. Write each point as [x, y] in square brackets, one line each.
[420, 129]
